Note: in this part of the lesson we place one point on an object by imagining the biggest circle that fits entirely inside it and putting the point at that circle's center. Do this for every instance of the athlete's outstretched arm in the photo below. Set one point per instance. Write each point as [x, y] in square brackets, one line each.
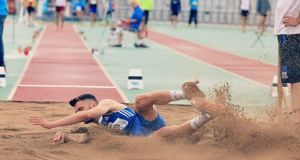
[71, 119]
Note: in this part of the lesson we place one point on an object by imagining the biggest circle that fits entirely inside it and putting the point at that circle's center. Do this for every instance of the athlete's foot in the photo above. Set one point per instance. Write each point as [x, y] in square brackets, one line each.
[190, 90]
[202, 105]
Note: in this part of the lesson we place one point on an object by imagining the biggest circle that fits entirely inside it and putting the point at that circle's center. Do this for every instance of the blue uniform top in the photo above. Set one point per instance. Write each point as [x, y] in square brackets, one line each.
[175, 5]
[194, 4]
[3, 8]
[131, 123]
[138, 15]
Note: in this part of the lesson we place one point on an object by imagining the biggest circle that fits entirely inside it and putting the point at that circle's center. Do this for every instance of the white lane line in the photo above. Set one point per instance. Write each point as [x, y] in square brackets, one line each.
[123, 96]
[14, 89]
[65, 86]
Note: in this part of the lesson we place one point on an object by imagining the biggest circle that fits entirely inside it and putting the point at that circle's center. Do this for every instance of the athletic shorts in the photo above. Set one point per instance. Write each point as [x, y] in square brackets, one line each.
[142, 127]
[262, 14]
[244, 13]
[93, 8]
[174, 12]
[289, 53]
[60, 9]
[30, 10]
[146, 17]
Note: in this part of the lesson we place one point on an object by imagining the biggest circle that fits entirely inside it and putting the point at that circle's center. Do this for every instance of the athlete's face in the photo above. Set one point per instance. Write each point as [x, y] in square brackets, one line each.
[84, 105]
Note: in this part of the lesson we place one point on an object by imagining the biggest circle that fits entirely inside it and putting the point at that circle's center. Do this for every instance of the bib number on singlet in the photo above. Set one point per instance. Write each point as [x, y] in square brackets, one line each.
[118, 124]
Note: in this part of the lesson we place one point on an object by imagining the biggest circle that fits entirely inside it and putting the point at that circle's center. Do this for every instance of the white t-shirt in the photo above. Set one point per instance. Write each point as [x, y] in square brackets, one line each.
[245, 5]
[93, 2]
[60, 3]
[286, 8]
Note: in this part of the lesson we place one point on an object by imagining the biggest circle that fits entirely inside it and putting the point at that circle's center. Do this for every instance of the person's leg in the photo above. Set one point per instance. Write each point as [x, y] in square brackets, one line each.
[176, 22]
[190, 17]
[2, 19]
[62, 18]
[146, 19]
[263, 23]
[145, 103]
[295, 94]
[196, 18]
[57, 16]
[208, 111]
[183, 130]
[244, 23]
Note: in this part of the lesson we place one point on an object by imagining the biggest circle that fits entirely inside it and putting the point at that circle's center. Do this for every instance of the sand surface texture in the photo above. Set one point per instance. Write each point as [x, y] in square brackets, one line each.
[231, 136]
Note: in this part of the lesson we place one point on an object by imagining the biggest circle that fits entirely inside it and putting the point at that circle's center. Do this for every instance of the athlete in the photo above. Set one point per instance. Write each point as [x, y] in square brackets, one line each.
[143, 119]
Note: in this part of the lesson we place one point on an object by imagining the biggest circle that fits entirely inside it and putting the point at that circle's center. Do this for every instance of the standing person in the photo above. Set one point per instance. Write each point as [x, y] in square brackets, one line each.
[143, 119]
[31, 4]
[175, 7]
[193, 12]
[80, 6]
[110, 8]
[262, 8]
[287, 29]
[3, 14]
[147, 6]
[93, 4]
[245, 7]
[60, 12]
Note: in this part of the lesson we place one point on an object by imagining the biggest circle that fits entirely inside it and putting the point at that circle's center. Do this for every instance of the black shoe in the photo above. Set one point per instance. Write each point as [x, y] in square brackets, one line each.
[142, 45]
[117, 45]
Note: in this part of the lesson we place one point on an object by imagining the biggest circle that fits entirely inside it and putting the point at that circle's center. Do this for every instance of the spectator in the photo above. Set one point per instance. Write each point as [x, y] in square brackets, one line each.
[147, 6]
[60, 11]
[3, 14]
[193, 12]
[287, 28]
[93, 4]
[175, 7]
[31, 4]
[245, 7]
[262, 8]
[132, 24]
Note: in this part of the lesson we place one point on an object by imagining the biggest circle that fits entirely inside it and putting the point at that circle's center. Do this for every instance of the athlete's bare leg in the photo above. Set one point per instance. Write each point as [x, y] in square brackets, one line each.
[209, 110]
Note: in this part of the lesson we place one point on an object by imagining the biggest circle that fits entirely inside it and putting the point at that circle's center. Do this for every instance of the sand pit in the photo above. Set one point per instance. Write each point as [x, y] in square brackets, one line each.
[225, 138]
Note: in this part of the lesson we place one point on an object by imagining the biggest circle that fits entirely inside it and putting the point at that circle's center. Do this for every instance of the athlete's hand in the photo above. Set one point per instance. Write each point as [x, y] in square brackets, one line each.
[291, 21]
[41, 121]
[59, 137]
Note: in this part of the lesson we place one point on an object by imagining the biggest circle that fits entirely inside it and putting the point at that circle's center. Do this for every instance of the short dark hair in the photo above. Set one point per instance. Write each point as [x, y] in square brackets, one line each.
[73, 101]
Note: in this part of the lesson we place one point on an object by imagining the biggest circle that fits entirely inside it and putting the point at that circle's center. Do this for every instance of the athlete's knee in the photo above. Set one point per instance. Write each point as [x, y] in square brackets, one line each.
[142, 101]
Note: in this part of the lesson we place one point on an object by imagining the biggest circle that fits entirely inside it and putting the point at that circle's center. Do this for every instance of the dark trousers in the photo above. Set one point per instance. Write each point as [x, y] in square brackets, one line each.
[2, 18]
[193, 16]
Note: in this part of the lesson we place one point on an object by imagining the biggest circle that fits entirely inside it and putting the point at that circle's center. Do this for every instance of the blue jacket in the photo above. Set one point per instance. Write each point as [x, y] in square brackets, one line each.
[3, 8]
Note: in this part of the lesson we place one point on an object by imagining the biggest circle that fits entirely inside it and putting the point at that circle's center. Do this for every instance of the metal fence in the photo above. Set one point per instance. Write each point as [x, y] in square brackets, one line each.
[210, 11]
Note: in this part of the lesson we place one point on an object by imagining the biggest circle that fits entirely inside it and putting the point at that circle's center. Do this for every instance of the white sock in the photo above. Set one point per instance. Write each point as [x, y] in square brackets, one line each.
[198, 122]
[177, 95]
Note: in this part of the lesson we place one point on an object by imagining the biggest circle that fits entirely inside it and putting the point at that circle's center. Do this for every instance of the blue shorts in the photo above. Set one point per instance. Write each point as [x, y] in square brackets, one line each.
[174, 12]
[244, 13]
[289, 52]
[142, 127]
[93, 9]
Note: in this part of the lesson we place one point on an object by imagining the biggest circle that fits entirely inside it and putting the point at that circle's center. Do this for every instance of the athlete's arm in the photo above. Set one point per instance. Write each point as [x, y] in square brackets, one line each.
[61, 137]
[72, 119]
[291, 21]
